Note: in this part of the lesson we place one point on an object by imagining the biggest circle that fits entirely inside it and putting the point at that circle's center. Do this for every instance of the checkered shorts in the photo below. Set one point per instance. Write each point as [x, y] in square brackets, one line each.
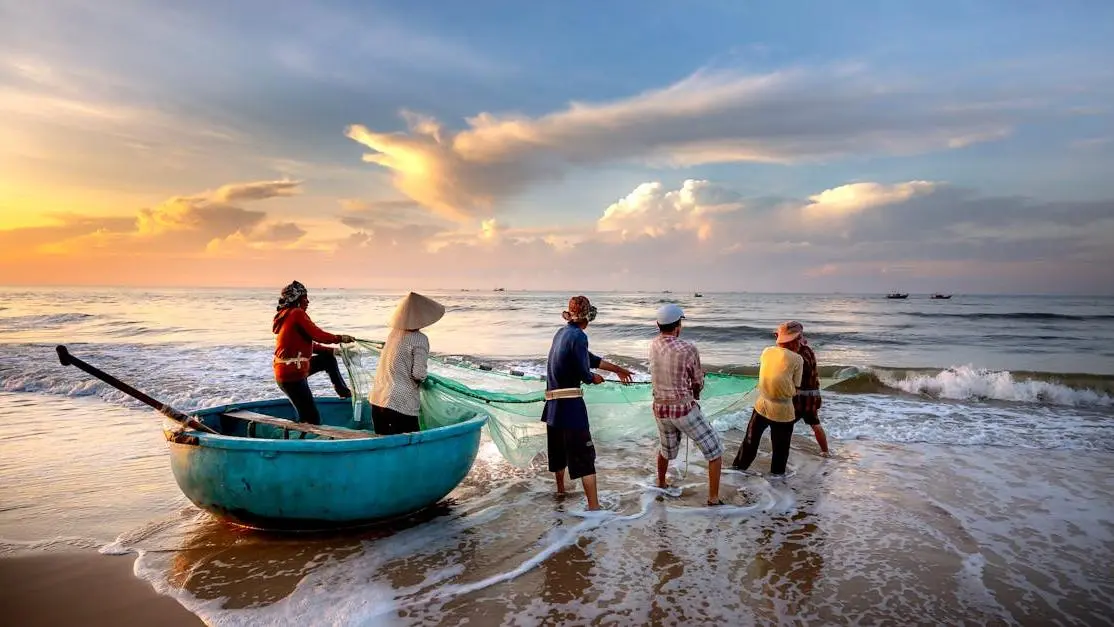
[696, 427]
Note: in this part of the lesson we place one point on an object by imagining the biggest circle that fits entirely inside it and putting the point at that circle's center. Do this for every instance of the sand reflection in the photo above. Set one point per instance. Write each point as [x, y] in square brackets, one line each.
[253, 568]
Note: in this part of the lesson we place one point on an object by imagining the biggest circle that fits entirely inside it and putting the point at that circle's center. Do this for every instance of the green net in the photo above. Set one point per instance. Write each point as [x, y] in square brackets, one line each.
[456, 391]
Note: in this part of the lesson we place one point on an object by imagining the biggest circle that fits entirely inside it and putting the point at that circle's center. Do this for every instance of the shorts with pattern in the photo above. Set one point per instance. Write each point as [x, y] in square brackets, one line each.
[696, 427]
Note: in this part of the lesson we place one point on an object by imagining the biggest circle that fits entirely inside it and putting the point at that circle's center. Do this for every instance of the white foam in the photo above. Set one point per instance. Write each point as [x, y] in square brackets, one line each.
[968, 382]
[9, 546]
[885, 418]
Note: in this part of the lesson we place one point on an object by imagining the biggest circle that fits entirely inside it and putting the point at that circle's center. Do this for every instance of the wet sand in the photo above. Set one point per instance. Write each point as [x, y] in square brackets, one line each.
[883, 533]
[878, 534]
[83, 589]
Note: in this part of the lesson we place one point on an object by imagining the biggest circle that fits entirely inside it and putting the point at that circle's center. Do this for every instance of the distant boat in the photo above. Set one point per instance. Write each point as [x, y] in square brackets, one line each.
[499, 289]
[896, 296]
[698, 295]
[941, 296]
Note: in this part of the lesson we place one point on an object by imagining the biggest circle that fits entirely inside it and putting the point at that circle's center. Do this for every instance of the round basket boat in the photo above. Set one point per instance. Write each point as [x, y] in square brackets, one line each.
[260, 473]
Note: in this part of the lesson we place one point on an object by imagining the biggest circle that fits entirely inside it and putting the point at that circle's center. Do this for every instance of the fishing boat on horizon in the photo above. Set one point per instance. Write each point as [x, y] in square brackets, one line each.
[897, 295]
[939, 296]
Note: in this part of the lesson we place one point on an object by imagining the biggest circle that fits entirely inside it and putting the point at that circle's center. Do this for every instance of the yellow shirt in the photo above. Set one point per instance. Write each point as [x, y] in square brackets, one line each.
[779, 376]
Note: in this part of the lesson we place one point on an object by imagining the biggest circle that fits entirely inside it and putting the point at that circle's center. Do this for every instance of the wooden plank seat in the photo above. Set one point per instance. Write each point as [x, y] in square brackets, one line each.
[335, 433]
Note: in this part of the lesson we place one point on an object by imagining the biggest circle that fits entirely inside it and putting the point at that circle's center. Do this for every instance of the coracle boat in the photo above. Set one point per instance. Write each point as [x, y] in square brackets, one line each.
[258, 472]
[251, 464]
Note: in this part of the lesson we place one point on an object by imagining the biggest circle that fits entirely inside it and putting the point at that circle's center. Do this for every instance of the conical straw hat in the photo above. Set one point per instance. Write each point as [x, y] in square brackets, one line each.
[415, 311]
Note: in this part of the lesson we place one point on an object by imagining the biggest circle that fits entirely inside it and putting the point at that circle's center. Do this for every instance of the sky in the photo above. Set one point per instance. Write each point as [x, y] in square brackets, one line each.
[863, 146]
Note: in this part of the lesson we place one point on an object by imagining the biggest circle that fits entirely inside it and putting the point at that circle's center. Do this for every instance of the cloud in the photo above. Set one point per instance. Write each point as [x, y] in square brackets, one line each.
[652, 210]
[1092, 143]
[258, 190]
[709, 117]
[857, 197]
[278, 232]
[178, 225]
[923, 236]
[368, 214]
[184, 215]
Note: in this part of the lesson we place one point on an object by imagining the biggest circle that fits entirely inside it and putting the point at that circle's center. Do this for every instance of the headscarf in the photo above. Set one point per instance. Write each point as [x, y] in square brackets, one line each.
[580, 309]
[290, 296]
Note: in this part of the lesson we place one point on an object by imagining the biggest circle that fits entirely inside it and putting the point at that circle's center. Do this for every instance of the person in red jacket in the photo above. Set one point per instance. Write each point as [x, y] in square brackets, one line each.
[299, 353]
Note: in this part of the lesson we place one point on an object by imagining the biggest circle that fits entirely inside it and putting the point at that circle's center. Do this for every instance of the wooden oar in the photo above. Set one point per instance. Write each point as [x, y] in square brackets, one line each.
[67, 359]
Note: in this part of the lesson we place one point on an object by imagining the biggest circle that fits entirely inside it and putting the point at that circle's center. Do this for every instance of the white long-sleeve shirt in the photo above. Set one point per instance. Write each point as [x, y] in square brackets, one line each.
[401, 370]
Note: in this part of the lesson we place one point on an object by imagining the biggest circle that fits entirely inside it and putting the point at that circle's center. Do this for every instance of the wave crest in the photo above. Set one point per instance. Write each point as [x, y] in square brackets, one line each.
[969, 383]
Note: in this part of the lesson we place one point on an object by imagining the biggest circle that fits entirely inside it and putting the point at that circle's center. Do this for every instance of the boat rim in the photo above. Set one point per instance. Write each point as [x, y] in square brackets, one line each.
[321, 445]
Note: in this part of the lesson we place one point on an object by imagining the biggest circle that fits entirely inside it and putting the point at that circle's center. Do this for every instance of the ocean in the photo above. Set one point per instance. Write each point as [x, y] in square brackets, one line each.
[972, 478]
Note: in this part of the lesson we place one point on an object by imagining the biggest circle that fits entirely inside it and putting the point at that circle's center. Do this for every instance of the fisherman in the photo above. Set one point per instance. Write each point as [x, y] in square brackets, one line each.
[806, 402]
[568, 437]
[779, 375]
[299, 353]
[395, 397]
[677, 380]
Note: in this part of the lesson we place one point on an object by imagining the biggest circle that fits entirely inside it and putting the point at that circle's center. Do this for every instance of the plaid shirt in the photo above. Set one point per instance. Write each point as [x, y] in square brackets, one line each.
[674, 371]
[807, 400]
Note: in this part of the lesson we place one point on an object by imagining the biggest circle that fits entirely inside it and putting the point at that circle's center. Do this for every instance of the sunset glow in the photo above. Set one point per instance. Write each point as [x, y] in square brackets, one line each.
[143, 145]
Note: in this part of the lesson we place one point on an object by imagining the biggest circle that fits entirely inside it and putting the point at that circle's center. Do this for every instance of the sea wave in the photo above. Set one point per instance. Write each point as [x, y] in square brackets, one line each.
[203, 376]
[1008, 316]
[41, 321]
[970, 383]
[955, 383]
[738, 332]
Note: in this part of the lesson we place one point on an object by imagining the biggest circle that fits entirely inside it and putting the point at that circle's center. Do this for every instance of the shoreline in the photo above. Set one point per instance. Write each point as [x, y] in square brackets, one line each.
[86, 588]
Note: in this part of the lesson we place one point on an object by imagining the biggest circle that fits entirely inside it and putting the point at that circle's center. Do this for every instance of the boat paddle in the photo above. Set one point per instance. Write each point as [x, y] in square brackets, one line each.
[67, 359]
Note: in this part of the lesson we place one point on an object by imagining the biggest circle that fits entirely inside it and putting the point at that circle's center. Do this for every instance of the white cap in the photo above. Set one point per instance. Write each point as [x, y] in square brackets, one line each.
[668, 314]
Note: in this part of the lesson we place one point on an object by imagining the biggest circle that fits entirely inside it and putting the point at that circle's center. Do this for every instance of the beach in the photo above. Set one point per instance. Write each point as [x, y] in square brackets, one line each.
[82, 587]
[971, 482]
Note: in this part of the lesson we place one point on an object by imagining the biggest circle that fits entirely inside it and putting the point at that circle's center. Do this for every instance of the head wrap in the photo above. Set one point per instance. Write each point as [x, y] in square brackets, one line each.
[291, 294]
[580, 309]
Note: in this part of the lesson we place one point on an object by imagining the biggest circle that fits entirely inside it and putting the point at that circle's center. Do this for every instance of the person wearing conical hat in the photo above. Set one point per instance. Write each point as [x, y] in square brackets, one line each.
[299, 353]
[395, 396]
[570, 363]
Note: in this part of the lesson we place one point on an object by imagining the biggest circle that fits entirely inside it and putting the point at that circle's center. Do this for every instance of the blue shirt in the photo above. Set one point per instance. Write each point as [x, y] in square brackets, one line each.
[570, 364]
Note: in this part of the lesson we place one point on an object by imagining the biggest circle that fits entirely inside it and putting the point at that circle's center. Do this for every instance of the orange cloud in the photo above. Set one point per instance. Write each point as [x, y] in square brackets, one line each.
[180, 224]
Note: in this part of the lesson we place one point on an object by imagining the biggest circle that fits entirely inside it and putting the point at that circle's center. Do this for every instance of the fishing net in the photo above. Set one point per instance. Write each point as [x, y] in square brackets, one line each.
[456, 390]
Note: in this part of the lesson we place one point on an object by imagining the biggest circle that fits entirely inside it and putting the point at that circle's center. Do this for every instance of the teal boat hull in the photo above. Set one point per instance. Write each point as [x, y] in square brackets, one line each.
[273, 483]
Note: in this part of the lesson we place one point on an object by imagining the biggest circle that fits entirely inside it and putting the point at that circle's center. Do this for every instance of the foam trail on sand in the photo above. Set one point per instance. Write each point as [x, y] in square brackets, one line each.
[9, 546]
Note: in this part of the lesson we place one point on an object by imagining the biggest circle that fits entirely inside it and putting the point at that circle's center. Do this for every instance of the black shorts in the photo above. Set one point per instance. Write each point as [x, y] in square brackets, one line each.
[387, 421]
[572, 449]
[811, 419]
